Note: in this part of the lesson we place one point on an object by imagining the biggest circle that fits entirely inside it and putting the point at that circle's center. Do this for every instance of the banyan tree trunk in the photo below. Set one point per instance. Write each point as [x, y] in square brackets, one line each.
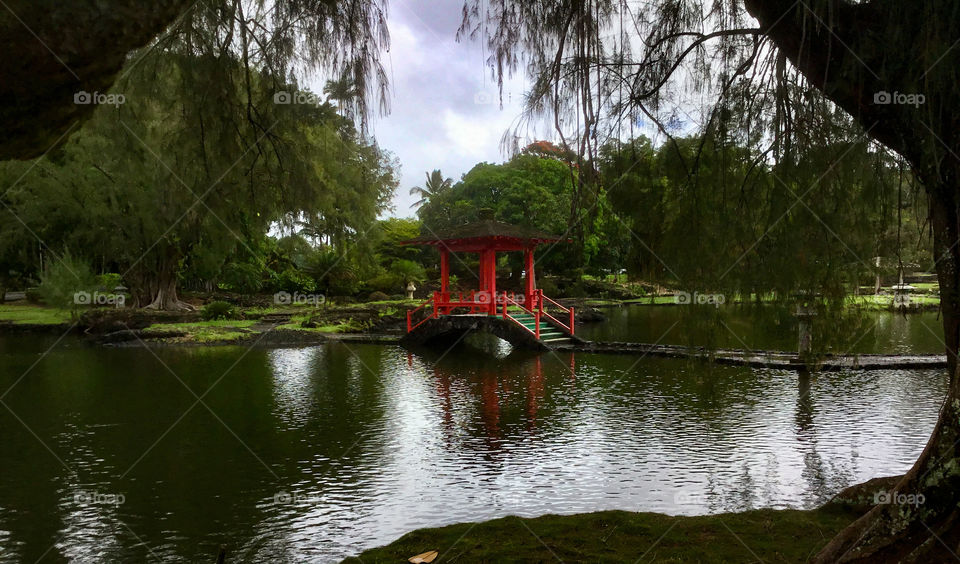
[157, 288]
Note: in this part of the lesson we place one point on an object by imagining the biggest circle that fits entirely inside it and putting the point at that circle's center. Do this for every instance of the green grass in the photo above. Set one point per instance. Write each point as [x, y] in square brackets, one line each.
[321, 329]
[883, 302]
[652, 300]
[33, 315]
[602, 302]
[927, 286]
[219, 323]
[288, 308]
[219, 331]
[215, 336]
[416, 301]
[296, 325]
[620, 536]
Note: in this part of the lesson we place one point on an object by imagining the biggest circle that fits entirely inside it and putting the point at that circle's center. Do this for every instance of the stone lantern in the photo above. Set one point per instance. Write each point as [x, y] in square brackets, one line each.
[901, 294]
[410, 290]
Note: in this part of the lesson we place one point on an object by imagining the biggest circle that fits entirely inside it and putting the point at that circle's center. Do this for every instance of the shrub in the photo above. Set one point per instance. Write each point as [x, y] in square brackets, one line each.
[576, 290]
[108, 281]
[65, 282]
[243, 278]
[344, 285]
[292, 280]
[218, 310]
[407, 271]
[384, 283]
[549, 287]
[378, 297]
[34, 296]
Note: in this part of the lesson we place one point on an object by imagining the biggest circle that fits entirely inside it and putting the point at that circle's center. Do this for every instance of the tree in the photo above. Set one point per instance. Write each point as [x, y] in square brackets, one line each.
[54, 50]
[526, 190]
[890, 65]
[162, 183]
[387, 238]
[49, 45]
[435, 185]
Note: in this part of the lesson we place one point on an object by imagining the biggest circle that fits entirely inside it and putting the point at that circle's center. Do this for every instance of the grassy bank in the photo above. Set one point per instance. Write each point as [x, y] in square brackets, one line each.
[302, 323]
[29, 314]
[619, 536]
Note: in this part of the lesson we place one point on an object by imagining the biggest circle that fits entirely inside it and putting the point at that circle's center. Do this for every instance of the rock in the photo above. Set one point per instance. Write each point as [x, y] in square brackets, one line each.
[378, 297]
[390, 324]
[589, 315]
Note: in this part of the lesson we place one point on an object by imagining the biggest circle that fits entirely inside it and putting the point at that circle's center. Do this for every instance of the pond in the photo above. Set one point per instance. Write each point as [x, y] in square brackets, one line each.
[314, 454]
[766, 328]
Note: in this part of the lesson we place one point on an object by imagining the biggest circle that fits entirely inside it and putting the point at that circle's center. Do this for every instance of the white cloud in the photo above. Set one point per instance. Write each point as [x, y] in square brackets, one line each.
[435, 121]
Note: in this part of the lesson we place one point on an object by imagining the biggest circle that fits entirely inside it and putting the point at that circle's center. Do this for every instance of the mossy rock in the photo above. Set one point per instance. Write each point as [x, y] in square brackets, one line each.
[863, 496]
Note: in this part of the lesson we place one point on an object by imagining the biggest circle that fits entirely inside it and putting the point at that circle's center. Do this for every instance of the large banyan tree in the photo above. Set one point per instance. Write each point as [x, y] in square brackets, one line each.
[213, 90]
[51, 49]
[891, 65]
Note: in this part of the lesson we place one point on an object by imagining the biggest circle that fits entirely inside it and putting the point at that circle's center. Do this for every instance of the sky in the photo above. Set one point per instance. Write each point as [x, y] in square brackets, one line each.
[445, 107]
[445, 111]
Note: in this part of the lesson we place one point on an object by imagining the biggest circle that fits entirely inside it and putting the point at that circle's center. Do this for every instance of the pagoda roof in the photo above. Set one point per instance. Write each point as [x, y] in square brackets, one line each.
[483, 233]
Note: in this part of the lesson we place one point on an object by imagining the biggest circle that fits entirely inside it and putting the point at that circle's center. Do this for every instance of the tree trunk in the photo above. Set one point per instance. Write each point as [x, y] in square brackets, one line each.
[156, 288]
[164, 293]
[920, 518]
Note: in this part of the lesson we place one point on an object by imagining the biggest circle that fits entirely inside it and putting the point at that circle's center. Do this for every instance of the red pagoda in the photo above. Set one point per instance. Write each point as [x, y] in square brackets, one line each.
[486, 238]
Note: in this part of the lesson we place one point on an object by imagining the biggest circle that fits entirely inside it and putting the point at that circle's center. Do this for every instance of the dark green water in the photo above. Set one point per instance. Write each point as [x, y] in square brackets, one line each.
[313, 454]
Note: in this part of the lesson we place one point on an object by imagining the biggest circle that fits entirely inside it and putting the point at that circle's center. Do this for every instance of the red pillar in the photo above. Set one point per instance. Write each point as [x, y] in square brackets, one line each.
[483, 277]
[531, 284]
[445, 276]
[483, 271]
[492, 279]
[444, 270]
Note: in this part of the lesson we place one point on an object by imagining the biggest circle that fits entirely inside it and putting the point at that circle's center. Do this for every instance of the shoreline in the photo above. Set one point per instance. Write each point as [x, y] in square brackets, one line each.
[766, 534]
[370, 322]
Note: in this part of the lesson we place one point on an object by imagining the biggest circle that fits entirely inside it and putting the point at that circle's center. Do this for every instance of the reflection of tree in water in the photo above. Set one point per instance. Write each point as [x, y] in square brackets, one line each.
[813, 469]
[823, 480]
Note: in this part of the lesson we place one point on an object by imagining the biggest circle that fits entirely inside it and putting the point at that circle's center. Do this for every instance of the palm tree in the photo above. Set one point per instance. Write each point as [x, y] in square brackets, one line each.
[343, 94]
[435, 184]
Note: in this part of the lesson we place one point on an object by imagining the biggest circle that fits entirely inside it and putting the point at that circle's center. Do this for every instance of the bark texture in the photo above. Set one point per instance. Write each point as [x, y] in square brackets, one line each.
[155, 282]
[52, 49]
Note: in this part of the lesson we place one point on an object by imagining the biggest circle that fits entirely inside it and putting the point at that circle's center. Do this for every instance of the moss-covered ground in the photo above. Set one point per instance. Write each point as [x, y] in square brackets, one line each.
[764, 535]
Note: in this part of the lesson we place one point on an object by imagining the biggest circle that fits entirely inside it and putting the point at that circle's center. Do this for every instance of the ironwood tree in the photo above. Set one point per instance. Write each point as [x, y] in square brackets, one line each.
[151, 189]
[51, 50]
[891, 65]
[217, 70]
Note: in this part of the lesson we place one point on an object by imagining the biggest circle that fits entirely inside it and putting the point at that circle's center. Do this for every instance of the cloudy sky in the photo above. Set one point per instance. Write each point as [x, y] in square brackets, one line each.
[445, 113]
[445, 108]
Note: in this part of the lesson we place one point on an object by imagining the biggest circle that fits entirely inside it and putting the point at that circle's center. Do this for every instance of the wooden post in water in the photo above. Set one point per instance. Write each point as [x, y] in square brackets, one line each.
[805, 313]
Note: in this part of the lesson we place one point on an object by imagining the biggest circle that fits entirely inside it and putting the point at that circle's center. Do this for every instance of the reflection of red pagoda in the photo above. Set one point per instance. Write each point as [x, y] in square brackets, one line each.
[491, 391]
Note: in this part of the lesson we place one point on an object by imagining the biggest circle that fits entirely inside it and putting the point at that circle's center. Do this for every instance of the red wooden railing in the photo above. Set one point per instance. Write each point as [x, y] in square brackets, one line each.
[445, 303]
[433, 314]
[507, 302]
[569, 311]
